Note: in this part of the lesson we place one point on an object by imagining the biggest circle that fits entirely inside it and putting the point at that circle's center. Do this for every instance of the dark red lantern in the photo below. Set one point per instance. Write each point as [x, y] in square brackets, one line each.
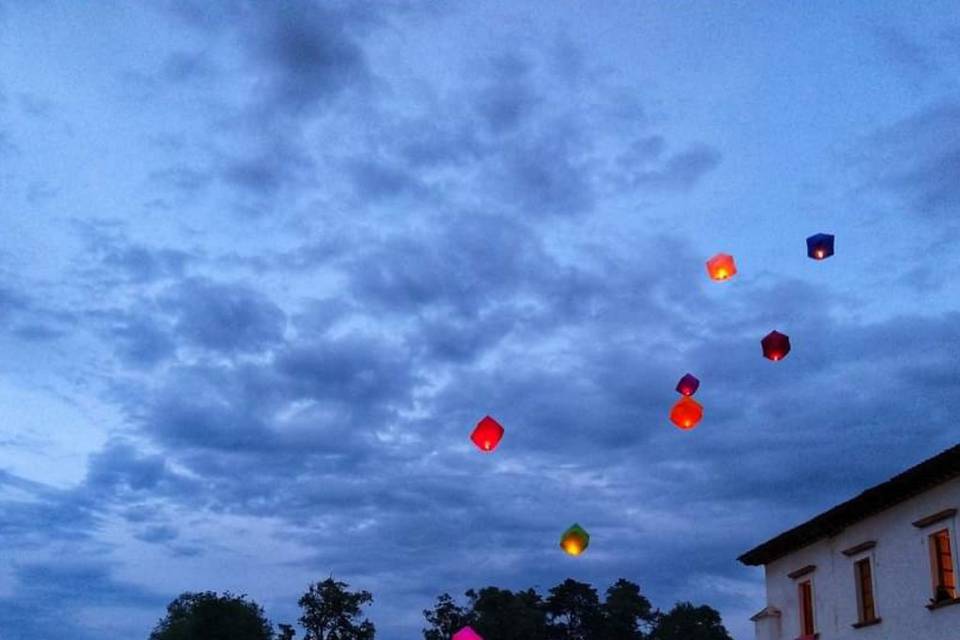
[775, 345]
[721, 267]
[486, 435]
[686, 413]
[688, 385]
[820, 246]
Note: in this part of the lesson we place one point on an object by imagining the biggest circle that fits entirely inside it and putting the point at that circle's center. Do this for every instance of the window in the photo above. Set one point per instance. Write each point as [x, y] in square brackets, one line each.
[941, 561]
[806, 608]
[865, 602]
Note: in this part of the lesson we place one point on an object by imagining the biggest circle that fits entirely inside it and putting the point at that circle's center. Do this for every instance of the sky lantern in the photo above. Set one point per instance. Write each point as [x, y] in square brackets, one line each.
[686, 413]
[721, 267]
[467, 633]
[688, 385]
[820, 246]
[487, 434]
[775, 345]
[575, 540]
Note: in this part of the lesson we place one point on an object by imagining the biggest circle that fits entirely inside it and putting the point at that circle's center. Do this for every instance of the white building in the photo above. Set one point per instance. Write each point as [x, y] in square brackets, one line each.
[882, 566]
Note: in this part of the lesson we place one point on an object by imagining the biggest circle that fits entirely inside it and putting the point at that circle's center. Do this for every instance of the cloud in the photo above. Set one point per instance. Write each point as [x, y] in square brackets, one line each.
[917, 160]
[27, 318]
[223, 317]
[50, 600]
[681, 171]
[910, 56]
[306, 53]
[158, 534]
[424, 255]
[119, 466]
[507, 99]
[141, 342]
[142, 264]
[378, 180]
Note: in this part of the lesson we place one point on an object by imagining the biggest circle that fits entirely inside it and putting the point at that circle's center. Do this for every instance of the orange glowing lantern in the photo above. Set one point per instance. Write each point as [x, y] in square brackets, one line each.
[721, 267]
[688, 385]
[467, 633]
[775, 345]
[686, 413]
[487, 434]
[575, 540]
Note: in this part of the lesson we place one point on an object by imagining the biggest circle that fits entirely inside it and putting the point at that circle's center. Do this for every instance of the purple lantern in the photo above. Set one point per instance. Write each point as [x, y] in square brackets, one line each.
[688, 385]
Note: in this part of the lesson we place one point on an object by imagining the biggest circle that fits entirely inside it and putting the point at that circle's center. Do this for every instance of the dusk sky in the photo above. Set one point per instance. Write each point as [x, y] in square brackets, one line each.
[264, 265]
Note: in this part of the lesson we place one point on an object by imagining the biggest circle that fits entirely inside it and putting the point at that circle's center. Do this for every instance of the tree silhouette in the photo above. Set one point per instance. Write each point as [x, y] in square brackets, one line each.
[208, 616]
[627, 614]
[287, 632]
[446, 618]
[504, 615]
[574, 611]
[330, 612]
[686, 622]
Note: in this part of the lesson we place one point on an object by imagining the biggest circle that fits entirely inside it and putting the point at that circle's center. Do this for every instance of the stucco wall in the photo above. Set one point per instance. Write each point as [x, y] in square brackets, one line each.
[902, 577]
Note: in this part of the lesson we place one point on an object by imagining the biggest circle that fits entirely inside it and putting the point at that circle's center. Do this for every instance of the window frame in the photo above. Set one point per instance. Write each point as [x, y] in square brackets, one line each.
[928, 527]
[858, 560]
[934, 558]
[801, 617]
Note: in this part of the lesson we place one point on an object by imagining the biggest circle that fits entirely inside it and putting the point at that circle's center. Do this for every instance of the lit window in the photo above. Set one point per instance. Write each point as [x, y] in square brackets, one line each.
[941, 562]
[865, 601]
[806, 609]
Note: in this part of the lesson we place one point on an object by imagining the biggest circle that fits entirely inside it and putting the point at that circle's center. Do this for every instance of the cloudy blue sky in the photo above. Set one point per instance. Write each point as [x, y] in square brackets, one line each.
[264, 265]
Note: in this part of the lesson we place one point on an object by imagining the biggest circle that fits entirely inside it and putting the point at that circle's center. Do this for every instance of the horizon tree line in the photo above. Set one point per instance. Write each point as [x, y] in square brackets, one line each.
[571, 610]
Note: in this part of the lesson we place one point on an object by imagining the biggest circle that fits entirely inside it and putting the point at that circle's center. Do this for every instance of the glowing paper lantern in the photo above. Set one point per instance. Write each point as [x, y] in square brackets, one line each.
[721, 267]
[688, 385]
[467, 633]
[820, 246]
[575, 540]
[775, 345]
[487, 434]
[686, 413]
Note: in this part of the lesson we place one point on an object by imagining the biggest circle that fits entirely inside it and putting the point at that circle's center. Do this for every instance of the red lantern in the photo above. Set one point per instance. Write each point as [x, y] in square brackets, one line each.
[721, 267]
[775, 345]
[487, 434]
[686, 413]
[688, 385]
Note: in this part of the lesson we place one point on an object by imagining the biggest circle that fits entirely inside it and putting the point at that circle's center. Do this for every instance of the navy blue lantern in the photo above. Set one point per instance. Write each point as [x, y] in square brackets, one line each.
[820, 246]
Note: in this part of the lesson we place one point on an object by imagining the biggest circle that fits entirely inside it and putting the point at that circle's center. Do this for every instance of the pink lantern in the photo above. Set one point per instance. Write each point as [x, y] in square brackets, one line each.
[467, 633]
